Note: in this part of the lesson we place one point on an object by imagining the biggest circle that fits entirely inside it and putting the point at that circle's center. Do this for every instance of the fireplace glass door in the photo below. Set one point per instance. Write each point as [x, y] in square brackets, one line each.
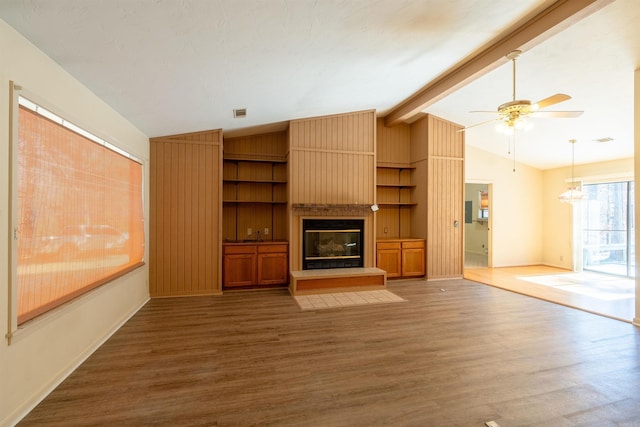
[332, 244]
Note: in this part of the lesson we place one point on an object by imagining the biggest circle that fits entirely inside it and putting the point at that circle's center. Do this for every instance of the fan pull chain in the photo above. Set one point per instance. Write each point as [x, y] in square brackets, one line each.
[514, 152]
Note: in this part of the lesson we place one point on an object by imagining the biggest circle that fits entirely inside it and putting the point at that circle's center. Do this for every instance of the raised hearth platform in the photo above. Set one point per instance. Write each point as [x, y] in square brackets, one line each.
[308, 282]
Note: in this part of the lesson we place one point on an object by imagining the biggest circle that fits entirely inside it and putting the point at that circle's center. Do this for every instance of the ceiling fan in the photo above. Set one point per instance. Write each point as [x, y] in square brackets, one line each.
[513, 115]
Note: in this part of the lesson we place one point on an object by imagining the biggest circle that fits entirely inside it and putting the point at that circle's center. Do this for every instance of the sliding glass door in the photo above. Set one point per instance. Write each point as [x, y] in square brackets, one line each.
[608, 243]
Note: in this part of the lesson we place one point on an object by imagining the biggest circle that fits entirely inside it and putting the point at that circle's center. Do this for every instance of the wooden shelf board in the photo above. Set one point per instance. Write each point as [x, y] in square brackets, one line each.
[273, 202]
[394, 166]
[245, 158]
[256, 181]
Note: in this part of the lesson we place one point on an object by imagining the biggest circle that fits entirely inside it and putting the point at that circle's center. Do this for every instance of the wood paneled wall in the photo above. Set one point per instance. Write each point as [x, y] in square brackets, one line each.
[438, 154]
[185, 217]
[332, 159]
[272, 145]
[332, 163]
[393, 144]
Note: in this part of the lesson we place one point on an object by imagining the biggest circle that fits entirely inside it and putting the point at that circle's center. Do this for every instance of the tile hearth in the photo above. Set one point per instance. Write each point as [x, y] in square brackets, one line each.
[345, 299]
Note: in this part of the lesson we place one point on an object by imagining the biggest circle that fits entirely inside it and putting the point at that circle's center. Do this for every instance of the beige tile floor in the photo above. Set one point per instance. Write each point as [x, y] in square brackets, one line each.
[345, 299]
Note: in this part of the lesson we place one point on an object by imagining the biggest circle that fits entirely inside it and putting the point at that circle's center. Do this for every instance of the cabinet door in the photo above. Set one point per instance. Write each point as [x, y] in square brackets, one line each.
[239, 270]
[388, 259]
[272, 268]
[413, 262]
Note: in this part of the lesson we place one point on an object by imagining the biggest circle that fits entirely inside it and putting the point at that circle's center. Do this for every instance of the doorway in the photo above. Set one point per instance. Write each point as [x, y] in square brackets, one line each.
[477, 238]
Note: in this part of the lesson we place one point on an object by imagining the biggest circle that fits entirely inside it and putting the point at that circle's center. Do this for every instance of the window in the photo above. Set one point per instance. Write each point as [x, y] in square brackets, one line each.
[79, 218]
[608, 228]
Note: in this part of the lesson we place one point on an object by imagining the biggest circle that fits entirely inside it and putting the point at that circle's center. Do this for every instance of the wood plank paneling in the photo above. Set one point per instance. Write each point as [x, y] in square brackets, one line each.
[185, 218]
[437, 153]
[444, 211]
[393, 144]
[387, 222]
[445, 199]
[261, 146]
[333, 159]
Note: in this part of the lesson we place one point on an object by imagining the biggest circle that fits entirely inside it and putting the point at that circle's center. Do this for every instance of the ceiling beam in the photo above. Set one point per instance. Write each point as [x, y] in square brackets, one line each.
[526, 34]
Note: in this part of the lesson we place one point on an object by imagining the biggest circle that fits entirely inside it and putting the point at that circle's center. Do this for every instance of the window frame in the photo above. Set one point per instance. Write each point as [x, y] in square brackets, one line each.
[17, 92]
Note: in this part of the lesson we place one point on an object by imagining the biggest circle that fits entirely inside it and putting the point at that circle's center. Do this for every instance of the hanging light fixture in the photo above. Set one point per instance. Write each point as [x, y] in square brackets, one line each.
[573, 194]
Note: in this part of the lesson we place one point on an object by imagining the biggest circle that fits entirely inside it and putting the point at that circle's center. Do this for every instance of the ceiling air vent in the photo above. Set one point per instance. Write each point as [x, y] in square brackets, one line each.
[603, 140]
[239, 113]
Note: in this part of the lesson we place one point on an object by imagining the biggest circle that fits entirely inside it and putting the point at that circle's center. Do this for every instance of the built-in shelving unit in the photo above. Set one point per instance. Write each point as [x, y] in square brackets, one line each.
[394, 195]
[254, 181]
[394, 185]
[254, 187]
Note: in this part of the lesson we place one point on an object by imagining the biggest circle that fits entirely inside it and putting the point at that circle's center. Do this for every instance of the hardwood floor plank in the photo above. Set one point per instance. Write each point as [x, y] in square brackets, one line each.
[456, 353]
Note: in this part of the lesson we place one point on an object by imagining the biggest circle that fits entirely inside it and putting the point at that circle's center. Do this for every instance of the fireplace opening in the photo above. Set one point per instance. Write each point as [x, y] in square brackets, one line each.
[332, 243]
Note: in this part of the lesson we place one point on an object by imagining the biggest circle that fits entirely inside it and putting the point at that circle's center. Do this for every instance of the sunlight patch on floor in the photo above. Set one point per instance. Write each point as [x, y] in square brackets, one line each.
[599, 286]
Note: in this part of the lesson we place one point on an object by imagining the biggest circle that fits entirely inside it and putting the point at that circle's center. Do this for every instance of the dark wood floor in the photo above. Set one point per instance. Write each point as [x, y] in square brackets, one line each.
[460, 356]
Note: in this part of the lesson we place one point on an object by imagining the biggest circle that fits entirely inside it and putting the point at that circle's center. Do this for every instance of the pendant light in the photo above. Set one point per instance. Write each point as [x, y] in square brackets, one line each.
[573, 194]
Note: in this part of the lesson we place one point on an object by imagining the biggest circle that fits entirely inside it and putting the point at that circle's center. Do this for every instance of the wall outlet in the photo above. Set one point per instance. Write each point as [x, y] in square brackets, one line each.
[561, 258]
[266, 231]
[249, 231]
[386, 230]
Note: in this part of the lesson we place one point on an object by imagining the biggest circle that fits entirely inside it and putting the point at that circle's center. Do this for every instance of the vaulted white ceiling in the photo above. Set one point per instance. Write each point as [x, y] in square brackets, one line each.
[172, 66]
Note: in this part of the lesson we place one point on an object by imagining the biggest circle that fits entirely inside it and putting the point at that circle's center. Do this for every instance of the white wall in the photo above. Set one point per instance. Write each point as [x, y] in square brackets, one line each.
[516, 207]
[46, 350]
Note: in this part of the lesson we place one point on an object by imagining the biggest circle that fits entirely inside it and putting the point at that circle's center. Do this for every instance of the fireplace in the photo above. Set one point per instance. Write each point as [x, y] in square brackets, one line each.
[332, 243]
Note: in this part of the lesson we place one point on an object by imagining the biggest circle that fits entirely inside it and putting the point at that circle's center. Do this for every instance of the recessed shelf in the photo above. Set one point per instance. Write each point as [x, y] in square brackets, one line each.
[255, 201]
[394, 166]
[246, 158]
[256, 181]
[396, 185]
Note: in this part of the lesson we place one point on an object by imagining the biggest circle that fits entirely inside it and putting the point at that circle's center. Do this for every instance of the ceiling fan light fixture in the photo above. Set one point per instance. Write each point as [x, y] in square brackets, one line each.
[513, 115]
[505, 127]
[520, 123]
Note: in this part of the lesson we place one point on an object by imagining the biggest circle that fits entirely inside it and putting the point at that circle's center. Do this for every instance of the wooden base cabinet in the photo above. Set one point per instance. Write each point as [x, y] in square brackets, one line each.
[239, 265]
[401, 257]
[413, 258]
[252, 264]
[389, 258]
[273, 264]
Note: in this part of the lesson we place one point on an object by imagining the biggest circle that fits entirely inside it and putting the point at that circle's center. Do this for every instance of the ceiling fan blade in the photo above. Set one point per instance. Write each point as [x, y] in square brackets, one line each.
[557, 114]
[478, 124]
[553, 99]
